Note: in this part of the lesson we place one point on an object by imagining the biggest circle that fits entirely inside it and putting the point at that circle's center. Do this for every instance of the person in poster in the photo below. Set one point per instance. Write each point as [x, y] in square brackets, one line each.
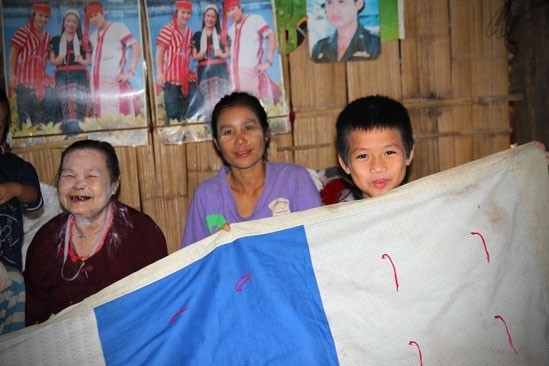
[211, 50]
[112, 92]
[350, 41]
[28, 56]
[248, 70]
[173, 57]
[71, 56]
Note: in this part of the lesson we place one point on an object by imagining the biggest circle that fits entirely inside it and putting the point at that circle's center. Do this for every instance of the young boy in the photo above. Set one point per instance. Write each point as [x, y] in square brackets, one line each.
[375, 143]
[19, 188]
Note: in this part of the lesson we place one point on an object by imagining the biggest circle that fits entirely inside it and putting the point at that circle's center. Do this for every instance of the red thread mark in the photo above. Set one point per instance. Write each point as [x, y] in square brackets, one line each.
[419, 350]
[483, 243]
[508, 334]
[242, 280]
[386, 256]
[172, 319]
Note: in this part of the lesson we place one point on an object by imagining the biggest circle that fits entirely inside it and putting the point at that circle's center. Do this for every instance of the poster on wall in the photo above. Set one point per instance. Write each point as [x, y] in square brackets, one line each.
[203, 50]
[343, 30]
[74, 69]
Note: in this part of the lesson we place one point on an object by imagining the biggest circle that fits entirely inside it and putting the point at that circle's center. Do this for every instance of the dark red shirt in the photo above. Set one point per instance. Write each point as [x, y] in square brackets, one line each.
[132, 242]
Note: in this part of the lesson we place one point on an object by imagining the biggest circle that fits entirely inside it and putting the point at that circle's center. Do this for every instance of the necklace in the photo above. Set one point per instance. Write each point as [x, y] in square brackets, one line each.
[79, 234]
[98, 242]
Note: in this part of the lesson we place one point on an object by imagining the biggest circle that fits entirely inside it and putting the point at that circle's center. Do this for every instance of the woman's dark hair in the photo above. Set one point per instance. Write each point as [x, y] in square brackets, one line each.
[78, 29]
[241, 99]
[4, 101]
[368, 113]
[111, 160]
[217, 22]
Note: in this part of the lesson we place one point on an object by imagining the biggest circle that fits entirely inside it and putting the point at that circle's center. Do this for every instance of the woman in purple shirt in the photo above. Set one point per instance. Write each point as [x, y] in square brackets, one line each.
[247, 187]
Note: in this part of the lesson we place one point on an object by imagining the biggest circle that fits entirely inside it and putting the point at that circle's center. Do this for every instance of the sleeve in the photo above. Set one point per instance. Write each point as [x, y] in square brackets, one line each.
[195, 41]
[195, 227]
[26, 175]
[150, 242]
[164, 37]
[19, 39]
[37, 307]
[263, 28]
[306, 194]
[125, 35]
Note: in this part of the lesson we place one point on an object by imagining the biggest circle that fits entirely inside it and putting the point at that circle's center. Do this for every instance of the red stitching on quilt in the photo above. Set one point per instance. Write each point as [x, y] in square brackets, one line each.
[384, 256]
[508, 334]
[419, 350]
[483, 243]
[242, 280]
[172, 319]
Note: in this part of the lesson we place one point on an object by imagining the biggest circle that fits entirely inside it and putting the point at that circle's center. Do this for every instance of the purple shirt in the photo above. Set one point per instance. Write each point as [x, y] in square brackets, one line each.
[288, 188]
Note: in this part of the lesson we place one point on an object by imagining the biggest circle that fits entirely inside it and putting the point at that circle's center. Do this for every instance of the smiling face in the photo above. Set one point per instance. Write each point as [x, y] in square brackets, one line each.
[241, 139]
[183, 17]
[71, 23]
[377, 160]
[210, 18]
[235, 13]
[342, 13]
[85, 186]
[40, 20]
[97, 20]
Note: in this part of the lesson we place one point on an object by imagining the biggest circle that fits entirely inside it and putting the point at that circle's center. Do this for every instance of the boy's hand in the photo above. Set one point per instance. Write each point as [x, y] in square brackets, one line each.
[8, 191]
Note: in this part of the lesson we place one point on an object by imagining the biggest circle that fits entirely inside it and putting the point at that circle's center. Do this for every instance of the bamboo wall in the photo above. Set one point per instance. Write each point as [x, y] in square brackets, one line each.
[451, 76]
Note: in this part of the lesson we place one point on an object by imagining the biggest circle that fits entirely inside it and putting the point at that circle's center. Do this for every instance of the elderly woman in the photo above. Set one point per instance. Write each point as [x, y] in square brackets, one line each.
[95, 242]
[247, 187]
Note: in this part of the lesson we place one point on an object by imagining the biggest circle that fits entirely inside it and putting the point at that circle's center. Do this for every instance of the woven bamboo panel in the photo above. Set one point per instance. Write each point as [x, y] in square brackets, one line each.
[314, 139]
[45, 161]
[129, 179]
[381, 76]
[202, 163]
[315, 86]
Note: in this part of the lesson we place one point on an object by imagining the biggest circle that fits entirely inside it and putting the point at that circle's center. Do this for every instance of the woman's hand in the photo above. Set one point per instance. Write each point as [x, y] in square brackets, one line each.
[225, 227]
[542, 146]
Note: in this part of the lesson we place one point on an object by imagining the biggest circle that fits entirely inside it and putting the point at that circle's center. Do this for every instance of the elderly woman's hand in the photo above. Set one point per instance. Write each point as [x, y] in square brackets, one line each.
[542, 146]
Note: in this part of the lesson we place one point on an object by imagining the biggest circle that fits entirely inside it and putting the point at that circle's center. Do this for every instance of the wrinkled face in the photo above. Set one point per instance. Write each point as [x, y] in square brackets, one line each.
[85, 187]
[241, 140]
[210, 17]
[40, 20]
[183, 17]
[343, 12]
[376, 160]
[234, 13]
[71, 23]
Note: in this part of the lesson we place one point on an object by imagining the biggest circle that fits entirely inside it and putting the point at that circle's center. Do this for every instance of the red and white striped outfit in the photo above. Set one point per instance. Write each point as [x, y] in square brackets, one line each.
[247, 52]
[177, 55]
[31, 61]
[109, 60]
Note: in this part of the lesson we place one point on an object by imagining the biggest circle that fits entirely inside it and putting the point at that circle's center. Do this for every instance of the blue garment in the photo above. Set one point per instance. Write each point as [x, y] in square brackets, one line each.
[15, 169]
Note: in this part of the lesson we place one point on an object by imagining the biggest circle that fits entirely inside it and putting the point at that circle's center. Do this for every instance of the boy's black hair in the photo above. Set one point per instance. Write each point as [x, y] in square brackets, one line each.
[111, 159]
[367, 113]
[242, 99]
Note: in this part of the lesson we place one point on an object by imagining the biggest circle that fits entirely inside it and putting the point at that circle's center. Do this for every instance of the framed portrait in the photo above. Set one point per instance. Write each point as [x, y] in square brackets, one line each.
[203, 50]
[75, 68]
[343, 30]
